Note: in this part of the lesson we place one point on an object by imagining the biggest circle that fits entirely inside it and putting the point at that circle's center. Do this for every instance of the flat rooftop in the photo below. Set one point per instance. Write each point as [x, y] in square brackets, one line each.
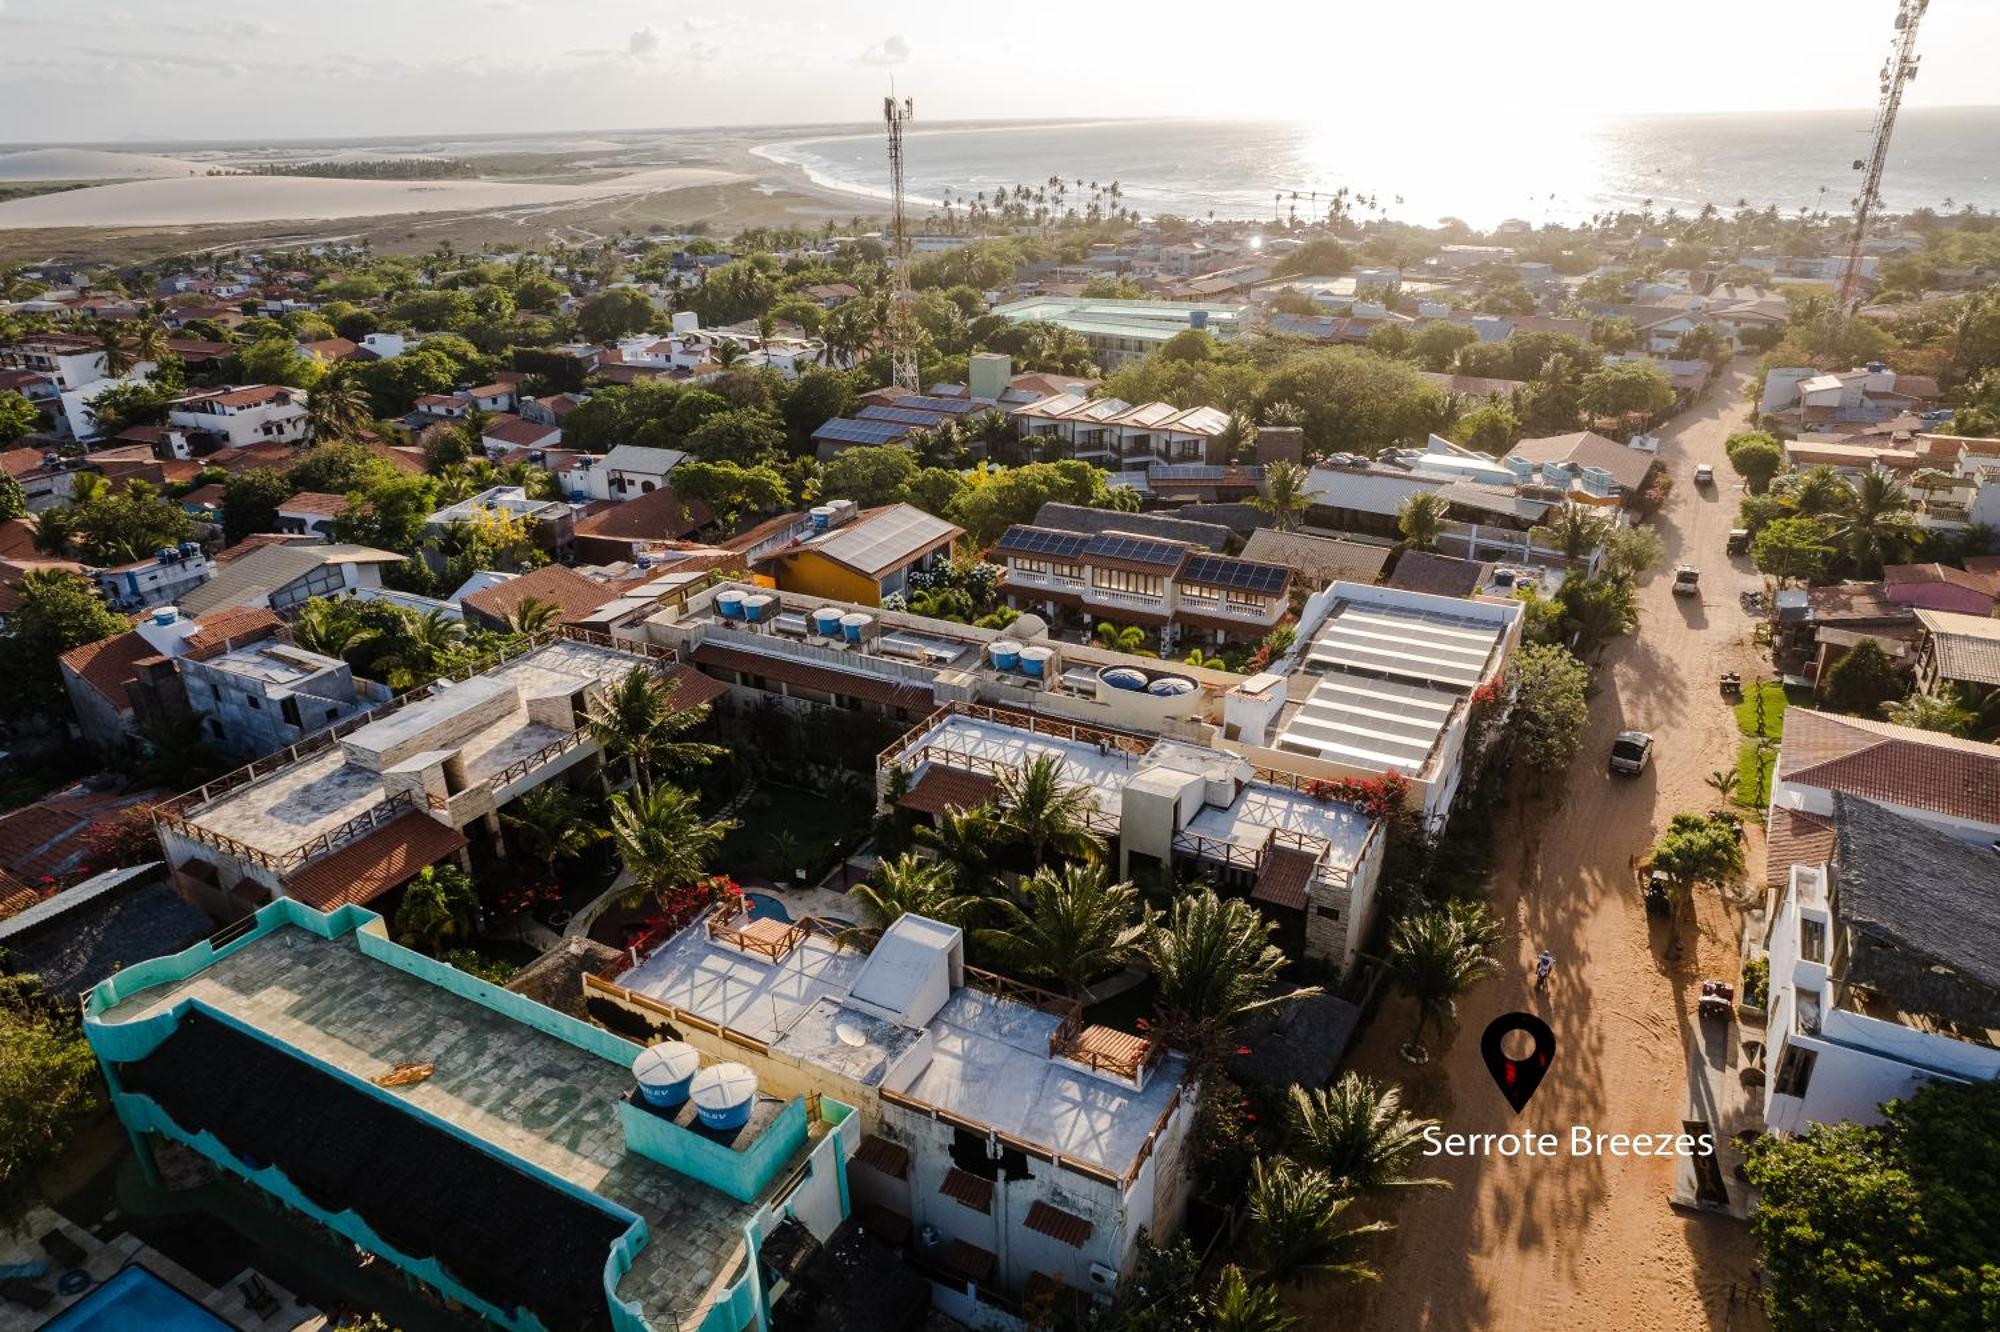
[318, 794]
[988, 1059]
[272, 663]
[1434, 645]
[1367, 721]
[326, 998]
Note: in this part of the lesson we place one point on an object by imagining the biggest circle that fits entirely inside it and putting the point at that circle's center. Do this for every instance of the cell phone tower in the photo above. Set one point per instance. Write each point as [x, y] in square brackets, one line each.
[1897, 72]
[902, 315]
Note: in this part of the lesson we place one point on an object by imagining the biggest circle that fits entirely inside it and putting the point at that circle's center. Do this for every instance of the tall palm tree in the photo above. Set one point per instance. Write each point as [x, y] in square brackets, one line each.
[549, 824]
[1238, 1306]
[321, 627]
[1943, 711]
[634, 719]
[426, 641]
[1238, 437]
[964, 840]
[1574, 529]
[1878, 530]
[149, 342]
[1434, 960]
[1285, 496]
[1421, 519]
[1046, 811]
[1120, 637]
[1818, 491]
[663, 839]
[911, 885]
[54, 528]
[532, 616]
[438, 906]
[117, 355]
[336, 408]
[86, 488]
[1356, 1131]
[1214, 963]
[1296, 1230]
[1077, 925]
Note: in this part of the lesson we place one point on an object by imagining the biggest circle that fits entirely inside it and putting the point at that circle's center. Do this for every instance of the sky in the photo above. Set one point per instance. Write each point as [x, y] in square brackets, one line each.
[149, 71]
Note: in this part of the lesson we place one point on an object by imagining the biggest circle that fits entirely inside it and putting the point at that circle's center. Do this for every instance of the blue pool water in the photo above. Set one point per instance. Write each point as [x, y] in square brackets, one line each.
[135, 1298]
[763, 906]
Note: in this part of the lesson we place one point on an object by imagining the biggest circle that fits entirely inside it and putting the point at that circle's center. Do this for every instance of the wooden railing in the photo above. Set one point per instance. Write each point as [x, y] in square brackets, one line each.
[673, 1013]
[548, 753]
[284, 862]
[722, 928]
[1066, 1042]
[1077, 732]
[1034, 996]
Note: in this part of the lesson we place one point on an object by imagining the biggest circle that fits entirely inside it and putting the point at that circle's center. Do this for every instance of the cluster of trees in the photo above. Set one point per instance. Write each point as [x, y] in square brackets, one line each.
[110, 523]
[1814, 525]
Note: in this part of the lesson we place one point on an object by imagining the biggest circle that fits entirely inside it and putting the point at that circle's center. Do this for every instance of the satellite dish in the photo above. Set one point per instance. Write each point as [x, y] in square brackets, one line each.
[849, 1034]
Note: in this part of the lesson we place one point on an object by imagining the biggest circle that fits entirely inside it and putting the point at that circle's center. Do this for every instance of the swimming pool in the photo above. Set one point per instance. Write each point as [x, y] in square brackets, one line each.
[132, 1298]
[763, 906]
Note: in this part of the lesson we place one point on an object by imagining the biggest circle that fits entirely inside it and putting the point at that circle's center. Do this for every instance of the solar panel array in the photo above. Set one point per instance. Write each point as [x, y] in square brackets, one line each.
[843, 431]
[1136, 550]
[1024, 540]
[904, 415]
[1236, 575]
[942, 406]
[1204, 472]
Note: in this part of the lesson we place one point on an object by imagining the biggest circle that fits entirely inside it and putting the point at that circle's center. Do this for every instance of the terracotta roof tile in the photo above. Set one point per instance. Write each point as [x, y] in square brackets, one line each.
[968, 1189]
[364, 869]
[891, 1159]
[1795, 837]
[689, 688]
[657, 516]
[107, 665]
[1283, 877]
[1058, 1224]
[219, 631]
[563, 587]
[868, 688]
[1896, 765]
[317, 503]
[942, 788]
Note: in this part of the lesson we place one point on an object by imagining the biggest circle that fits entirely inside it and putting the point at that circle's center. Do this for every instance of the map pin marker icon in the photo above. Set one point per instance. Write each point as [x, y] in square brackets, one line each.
[1518, 1078]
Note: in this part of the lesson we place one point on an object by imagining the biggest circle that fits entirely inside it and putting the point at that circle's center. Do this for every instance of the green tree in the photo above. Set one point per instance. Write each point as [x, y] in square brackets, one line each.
[1624, 390]
[1817, 492]
[48, 1085]
[337, 407]
[1421, 518]
[1888, 1226]
[966, 840]
[1943, 711]
[1075, 925]
[1351, 401]
[1757, 457]
[1491, 427]
[1214, 964]
[1596, 610]
[664, 841]
[250, 501]
[730, 490]
[741, 435]
[1437, 344]
[126, 524]
[548, 824]
[1551, 709]
[278, 360]
[439, 907]
[634, 719]
[1434, 957]
[1877, 528]
[1238, 1306]
[18, 416]
[614, 314]
[1284, 496]
[339, 469]
[1296, 1227]
[817, 397]
[1864, 680]
[1357, 1132]
[1697, 849]
[1047, 810]
[868, 476]
[13, 498]
[997, 500]
[911, 885]
[1574, 529]
[1798, 548]
[1632, 551]
[935, 490]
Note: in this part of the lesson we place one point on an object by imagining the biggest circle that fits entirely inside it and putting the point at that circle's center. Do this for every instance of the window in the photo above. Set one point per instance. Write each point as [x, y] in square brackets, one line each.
[1122, 580]
[256, 703]
[1331, 913]
[1794, 1072]
[1812, 939]
[1196, 592]
[289, 710]
[1188, 448]
[1253, 605]
[1050, 569]
[215, 728]
[645, 487]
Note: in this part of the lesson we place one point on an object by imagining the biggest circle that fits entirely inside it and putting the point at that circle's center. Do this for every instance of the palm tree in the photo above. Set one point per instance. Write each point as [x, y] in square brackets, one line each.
[549, 824]
[1214, 963]
[149, 342]
[1285, 495]
[1077, 925]
[635, 720]
[1820, 490]
[117, 356]
[1238, 437]
[336, 408]
[439, 905]
[1296, 1229]
[964, 840]
[911, 885]
[1722, 781]
[1878, 530]
[1421, 519]
[1046, 811]
[663, 839]
[1944, 712]
[86, 488]
[322, 628]
[54, 527]
[532, 616]
[1357, 1132]
[1238, 1306]
[1574, 529]
[1120, 638]
[426, 641]
[1434, 959]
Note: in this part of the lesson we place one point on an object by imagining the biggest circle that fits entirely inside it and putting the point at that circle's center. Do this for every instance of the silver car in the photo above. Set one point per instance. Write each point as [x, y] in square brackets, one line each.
[1631, 752]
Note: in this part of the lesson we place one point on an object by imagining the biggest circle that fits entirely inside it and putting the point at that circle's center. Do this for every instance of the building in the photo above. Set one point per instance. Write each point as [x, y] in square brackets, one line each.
[1007, 1146]
[1802, 397]
[548, 523]
[1583, 466]
[121, 686]
[1119, 332]
[568, 592]
[492, 1150]
[258, 414]
[621, 531]
[631, 470]
[1958, 649]
[257, 697]
[160, 579]
[285, 574]
[1310, 861]
[1115, 435]
[1128, 578]
[860, 555]
[1885, 970]
[361, 808]
[1319, 560]
[72, 939]
[1383, 680]
[1940, 587]
[310, 513]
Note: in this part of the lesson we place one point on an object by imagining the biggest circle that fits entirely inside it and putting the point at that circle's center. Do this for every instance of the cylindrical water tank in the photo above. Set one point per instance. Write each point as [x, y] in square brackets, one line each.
[722, 1095]
[822, 517]
[1125, 677]
[663, 1072]
[1005, 655]
[1171, 686]
[729, 605]
[826, 622]
[855, 626]
[1035, 660]
[759, 606]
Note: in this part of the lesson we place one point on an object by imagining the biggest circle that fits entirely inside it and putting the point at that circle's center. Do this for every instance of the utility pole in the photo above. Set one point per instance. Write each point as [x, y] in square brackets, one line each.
[1897, 71]
[902, 315]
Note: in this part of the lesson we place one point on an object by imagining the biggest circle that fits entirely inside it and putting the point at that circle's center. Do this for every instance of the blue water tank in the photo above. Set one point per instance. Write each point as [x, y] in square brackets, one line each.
[854, 625]
[664, 1071]
[1125, 677]
[826, 622]
[722, 1096]
[822, 517]
[1170, 686]
[1035, 661]
[759, 607]
[1006, 656]
[1197, 319]
[730, 604]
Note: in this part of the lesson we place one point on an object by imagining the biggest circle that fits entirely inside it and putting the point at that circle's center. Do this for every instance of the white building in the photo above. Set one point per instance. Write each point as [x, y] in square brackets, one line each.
[1122, 331]
[161, 579]
[253, 415]
[1885, 970]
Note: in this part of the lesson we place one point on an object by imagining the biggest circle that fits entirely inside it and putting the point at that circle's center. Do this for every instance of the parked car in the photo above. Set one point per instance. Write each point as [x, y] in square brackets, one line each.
[1687, 581]
[1704, 474]
[1631, 752]
[1739, 541]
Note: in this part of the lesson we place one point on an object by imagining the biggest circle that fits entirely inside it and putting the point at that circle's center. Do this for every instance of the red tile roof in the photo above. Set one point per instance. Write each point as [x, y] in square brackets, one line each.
[968, 1189]
[19, 462]
[659, 515]
[942, 788]
[107, 665]
[1283, 878]
[689, 688]
[1895, 765]
[891, 1159]
[562, 587]
[1058, 1224]
[315, 503]
[524, 434]
[221, 630]
[1795, 837]
[365, 869]
[868, 688]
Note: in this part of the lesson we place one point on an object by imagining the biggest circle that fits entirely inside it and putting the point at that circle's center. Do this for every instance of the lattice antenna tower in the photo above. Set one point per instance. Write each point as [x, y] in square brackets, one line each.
[902, 316]
[1897, 72]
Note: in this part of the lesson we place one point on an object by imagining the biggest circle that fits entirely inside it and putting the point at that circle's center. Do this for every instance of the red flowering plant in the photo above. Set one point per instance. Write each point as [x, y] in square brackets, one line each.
[1378, 797]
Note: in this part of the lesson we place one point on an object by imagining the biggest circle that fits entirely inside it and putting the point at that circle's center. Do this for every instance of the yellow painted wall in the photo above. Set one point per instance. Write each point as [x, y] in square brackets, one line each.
[811, 574]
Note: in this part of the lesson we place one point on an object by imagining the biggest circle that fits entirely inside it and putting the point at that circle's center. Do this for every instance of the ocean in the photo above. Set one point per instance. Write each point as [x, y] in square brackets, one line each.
[1479, 168]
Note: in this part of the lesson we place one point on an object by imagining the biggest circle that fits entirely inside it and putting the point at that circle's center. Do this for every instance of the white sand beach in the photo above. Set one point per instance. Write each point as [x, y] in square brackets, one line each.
[91, 164]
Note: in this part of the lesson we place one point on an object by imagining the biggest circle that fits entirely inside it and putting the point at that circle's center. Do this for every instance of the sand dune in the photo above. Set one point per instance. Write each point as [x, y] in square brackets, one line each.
[90, 164]
[187, 200]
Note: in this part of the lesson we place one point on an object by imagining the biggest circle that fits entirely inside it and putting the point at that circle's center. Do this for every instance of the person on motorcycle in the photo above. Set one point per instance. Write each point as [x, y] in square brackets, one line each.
[1543, 966]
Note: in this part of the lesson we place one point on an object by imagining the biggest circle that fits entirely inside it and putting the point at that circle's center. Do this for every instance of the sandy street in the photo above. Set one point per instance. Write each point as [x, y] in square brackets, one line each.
[1591, 1242]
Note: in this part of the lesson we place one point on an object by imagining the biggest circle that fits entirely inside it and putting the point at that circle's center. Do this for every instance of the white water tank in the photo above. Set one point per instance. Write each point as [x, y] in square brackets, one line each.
[664, 1071]
[722, 1095]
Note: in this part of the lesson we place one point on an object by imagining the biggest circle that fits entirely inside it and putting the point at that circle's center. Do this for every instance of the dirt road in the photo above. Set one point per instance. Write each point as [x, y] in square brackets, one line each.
[1591, 1242]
